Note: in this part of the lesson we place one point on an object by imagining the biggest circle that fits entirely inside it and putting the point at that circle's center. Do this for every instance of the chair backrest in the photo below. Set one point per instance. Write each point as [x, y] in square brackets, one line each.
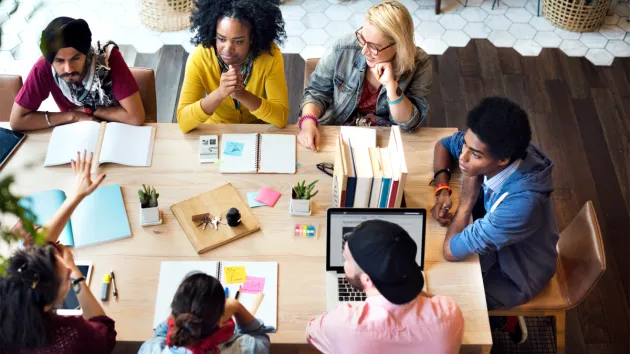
[145, 78]
[582, 259]
[10, 85]
[309, 68]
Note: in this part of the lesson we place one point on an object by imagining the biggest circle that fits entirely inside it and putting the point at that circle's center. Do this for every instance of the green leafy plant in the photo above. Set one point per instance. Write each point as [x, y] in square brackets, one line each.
[303, 191]
[148, 197]
[9, 204]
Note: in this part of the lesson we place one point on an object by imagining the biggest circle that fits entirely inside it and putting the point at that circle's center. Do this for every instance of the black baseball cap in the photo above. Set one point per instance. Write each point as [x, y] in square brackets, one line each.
[387, 254]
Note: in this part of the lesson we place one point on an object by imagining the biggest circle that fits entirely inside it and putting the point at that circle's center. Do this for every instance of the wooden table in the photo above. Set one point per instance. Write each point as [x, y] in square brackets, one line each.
[177, 175]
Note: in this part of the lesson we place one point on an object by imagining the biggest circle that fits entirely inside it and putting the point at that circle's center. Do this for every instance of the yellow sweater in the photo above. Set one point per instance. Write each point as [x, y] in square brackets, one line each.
[203, 75]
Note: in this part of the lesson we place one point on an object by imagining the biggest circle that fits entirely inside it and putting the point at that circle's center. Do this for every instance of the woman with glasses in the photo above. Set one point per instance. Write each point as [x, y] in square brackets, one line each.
[374, 77]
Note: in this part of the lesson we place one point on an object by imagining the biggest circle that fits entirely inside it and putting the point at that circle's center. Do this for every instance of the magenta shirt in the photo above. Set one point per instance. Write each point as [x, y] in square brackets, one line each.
[432, 325]
[76, 335]
[40, 83]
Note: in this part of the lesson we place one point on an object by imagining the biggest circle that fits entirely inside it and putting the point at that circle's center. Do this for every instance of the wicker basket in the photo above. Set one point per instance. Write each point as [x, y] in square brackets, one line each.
[575, 15]
[166, 15]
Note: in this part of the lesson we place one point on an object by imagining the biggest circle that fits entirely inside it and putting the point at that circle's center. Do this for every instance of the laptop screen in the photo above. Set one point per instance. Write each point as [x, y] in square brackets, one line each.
[341, 221]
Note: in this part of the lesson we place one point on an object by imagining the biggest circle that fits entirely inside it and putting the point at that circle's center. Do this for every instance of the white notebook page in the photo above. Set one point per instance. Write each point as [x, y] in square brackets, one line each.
[66, 140]
[127, 145]
[239, 162]
[277, 153]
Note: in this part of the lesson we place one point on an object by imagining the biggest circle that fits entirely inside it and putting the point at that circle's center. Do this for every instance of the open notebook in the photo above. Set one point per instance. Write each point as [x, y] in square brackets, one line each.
[258, 153]
[101, 217]
[230, 275]
[110, 142]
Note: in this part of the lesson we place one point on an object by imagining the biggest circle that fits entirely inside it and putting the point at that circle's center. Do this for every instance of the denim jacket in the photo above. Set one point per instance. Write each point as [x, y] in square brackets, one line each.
[250, 339]
[337, 82]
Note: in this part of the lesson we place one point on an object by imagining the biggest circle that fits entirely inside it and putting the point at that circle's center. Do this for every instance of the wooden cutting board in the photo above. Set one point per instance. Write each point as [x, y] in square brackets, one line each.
[216, 202]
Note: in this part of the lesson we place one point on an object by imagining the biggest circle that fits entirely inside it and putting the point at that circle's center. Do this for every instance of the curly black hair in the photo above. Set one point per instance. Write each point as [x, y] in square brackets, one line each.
[503, 126]
[264, 16]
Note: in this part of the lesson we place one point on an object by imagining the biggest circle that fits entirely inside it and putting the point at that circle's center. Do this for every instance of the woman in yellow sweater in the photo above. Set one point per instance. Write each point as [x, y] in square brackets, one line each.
[237, 65]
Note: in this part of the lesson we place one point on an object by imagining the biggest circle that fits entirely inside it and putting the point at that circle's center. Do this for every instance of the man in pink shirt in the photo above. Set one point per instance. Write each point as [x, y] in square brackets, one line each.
[87, 83]
[397, 317]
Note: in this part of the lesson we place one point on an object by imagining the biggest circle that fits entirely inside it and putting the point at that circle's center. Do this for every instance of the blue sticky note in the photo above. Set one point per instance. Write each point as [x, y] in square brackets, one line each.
[251, 200]
[233, 148]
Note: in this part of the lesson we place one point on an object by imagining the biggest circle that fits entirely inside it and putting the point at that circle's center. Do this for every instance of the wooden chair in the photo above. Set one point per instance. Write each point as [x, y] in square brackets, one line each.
[581, 262]
[145, 78]
[309, 68]
[10, 85]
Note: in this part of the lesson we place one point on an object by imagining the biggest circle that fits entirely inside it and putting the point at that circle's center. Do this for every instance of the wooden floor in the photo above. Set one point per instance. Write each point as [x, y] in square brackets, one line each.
[580, 116]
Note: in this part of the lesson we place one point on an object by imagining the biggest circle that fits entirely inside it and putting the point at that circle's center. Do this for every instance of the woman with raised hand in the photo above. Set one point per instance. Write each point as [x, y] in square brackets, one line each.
[203, 321]
[37, 281]
[373, 77]
[236, 72]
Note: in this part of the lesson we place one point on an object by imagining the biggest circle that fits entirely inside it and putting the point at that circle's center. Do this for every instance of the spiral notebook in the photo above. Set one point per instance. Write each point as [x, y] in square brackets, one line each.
[258, 153]
[173, 272]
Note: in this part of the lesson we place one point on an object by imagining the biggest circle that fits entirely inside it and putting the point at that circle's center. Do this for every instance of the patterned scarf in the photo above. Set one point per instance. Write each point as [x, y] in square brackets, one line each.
[96, 87]
[209, 344]
[245, 68]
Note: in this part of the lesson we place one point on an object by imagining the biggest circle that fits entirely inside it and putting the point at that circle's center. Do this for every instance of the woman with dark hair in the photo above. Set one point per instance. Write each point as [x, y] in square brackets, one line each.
[201, 323]
[236, 72]
[37, 281]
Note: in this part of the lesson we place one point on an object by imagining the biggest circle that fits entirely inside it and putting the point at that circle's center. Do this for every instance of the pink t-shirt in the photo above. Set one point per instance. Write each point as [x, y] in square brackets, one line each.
[40, 83]
[432, 325]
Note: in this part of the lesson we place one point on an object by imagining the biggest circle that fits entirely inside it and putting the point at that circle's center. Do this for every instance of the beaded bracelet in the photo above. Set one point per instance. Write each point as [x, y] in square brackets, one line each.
[307, 116]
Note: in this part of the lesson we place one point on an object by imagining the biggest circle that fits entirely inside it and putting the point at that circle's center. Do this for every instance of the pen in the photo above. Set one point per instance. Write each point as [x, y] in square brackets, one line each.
[227, 292]
[114, 284]
[238, 292]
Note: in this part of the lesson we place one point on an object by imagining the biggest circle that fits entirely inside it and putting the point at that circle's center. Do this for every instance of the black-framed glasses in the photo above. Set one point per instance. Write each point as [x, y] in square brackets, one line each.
[374, 50]
[326, 167]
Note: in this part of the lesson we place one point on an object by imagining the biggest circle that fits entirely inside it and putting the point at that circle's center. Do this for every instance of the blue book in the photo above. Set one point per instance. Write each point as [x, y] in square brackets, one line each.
[101, 217]
[352, 176]
[387, 178]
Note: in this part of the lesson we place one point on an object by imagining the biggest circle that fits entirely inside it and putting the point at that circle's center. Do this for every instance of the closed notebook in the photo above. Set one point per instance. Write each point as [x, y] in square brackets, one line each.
[110, 142]
[363, 188]
[101, 217]
[351, 183]
[172, 273]
[258, 153]
[340, 176]
[377, 181]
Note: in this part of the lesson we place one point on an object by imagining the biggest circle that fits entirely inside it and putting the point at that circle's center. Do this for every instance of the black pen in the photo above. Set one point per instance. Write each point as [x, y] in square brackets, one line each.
[114, 284]
[238, 292]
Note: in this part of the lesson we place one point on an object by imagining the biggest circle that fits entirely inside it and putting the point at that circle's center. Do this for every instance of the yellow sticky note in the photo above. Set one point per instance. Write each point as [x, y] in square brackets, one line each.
[235, 275]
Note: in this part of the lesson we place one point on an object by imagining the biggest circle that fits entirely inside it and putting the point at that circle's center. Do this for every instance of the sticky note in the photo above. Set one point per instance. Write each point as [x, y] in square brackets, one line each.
[233, 148]
[268, 196]
[253, 285]
[251, 200]
[235, 275]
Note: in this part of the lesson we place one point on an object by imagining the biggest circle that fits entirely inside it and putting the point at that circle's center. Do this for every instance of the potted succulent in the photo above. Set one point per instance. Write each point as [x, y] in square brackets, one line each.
[149, 211]
[301, 195]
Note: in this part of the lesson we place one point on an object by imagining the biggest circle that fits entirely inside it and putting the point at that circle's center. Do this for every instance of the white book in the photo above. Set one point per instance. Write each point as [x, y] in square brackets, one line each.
[258, 153]
[363, 165]
[360, 137]
[172, 273]
[110, 142]
[399, 164]
[377, 182]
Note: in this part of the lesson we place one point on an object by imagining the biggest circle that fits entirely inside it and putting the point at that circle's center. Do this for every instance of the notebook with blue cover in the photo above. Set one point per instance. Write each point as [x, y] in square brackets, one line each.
[101, 217]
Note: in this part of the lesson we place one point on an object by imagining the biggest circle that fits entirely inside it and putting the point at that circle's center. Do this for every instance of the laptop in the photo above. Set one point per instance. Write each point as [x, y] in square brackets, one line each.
[9, 142]
[343, 220]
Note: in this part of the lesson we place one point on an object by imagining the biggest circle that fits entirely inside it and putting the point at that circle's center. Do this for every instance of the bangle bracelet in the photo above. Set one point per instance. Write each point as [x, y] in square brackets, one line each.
[396, 101]
[47, 119]
[438, 190]
[305, 117]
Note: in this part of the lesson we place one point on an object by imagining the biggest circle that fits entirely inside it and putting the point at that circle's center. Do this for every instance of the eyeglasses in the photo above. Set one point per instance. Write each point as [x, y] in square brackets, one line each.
[326, 167]
[371, 46]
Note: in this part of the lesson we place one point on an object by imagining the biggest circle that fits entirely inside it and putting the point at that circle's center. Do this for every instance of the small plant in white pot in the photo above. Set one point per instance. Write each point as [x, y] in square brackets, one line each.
[149, 211]
[301, 195]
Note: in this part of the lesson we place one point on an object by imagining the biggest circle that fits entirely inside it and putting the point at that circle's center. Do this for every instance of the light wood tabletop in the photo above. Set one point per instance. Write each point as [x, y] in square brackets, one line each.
[177, 175]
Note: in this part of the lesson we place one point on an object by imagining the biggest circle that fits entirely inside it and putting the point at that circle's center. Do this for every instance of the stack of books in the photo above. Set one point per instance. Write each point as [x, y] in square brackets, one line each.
[366, 176]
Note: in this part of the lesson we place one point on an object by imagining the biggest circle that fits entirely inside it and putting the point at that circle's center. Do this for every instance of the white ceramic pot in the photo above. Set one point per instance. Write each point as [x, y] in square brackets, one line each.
[302, 206]
[149, 215]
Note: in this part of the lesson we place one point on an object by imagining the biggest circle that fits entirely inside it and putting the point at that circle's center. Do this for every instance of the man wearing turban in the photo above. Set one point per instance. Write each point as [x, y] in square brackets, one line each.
[86, 82]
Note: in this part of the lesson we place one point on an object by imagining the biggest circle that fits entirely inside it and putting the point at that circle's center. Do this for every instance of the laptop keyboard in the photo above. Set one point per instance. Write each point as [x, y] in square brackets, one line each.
[347, 293]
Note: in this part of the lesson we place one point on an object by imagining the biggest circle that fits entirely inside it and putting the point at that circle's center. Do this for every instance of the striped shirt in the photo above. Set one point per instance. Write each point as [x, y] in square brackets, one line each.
[495, 183]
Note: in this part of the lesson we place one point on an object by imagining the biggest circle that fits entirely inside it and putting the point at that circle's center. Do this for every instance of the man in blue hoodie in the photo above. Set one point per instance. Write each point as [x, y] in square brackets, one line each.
[507, 190]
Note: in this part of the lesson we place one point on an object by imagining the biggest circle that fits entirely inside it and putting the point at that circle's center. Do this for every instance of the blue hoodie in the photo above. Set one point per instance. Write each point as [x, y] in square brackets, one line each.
[516, 242]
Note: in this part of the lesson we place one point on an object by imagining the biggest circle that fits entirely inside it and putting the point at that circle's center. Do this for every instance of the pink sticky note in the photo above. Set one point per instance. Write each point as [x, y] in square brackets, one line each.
[268, 196]
[253, 285]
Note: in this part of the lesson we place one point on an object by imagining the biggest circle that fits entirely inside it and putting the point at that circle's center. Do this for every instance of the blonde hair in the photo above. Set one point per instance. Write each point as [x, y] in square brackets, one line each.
[394, 21]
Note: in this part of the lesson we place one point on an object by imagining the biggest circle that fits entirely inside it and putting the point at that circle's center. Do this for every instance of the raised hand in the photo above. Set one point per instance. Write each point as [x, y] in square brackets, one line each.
[82, 169]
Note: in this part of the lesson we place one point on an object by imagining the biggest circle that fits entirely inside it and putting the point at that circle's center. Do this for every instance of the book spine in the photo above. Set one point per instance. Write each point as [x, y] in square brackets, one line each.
[219, 270]
[392, 195]
[351, 188]
[385, 193]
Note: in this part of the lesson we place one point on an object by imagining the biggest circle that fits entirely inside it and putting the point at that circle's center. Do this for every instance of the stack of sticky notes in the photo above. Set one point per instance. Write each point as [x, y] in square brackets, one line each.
[303, 230]
[266, 196]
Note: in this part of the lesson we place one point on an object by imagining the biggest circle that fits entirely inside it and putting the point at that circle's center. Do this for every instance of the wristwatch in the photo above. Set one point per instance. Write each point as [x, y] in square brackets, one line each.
[76, 284]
